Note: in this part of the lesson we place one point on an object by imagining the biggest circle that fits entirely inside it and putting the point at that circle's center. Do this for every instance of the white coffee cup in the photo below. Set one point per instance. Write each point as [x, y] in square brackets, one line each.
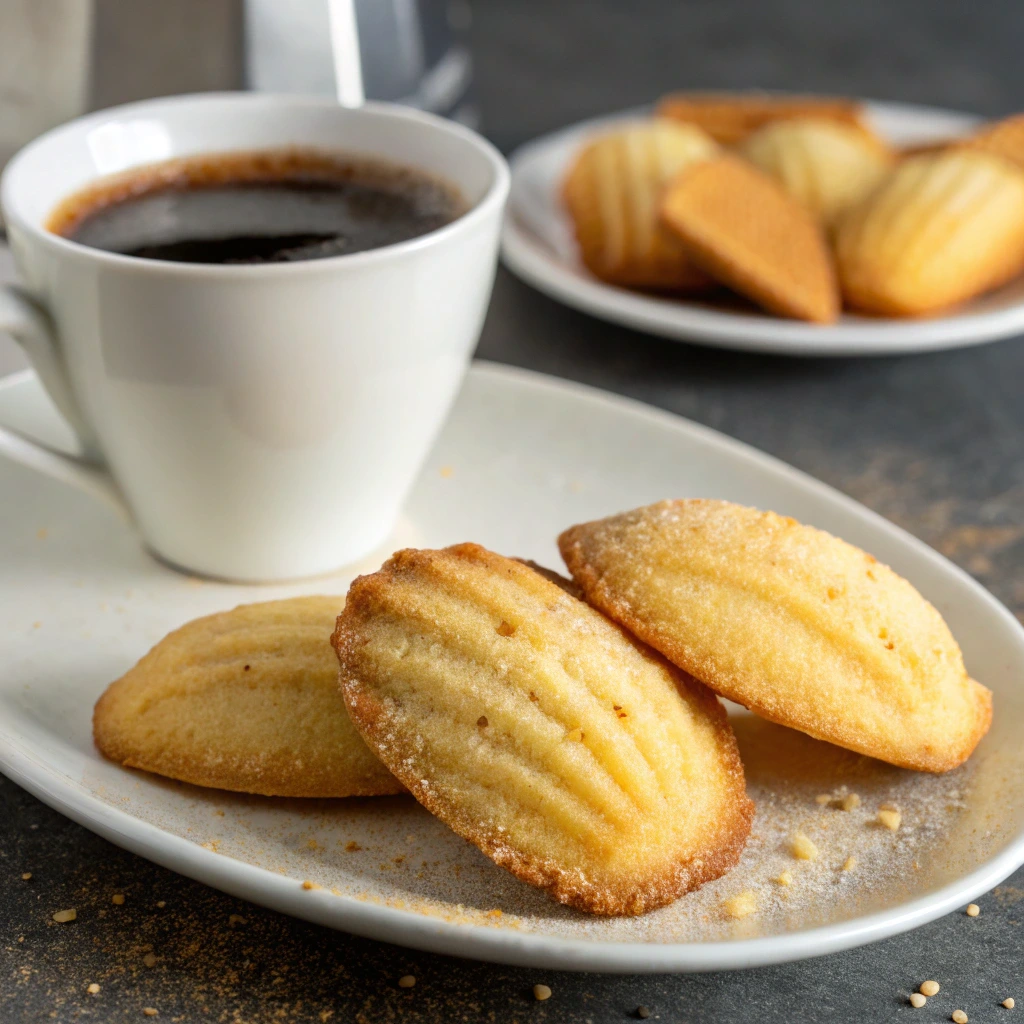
[259, 422]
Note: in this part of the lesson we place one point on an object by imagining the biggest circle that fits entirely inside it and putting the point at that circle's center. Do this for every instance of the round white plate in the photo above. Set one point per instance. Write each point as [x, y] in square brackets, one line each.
[521, 457]
[538, 246]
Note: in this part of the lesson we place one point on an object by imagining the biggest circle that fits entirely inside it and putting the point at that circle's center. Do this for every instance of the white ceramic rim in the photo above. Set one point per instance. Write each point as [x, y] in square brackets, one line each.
[484, 208]
[503, 945]
[532, 261]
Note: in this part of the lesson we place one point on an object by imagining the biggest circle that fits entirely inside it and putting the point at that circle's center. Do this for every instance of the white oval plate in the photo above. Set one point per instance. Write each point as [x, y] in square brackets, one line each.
[538, 246]
[521, 457]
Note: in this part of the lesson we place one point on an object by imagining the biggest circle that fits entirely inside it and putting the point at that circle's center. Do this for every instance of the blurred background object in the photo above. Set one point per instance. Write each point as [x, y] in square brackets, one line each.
[44, 67]
[411, 51]
[59, 58]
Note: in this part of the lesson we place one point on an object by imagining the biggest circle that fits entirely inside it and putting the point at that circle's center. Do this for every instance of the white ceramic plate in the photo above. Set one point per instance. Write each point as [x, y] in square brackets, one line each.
[537, 245]
[521, 457]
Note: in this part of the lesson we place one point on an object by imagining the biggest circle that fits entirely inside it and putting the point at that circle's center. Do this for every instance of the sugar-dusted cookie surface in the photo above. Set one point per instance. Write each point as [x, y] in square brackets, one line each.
[826, 165]
[540, 731]
[791, 622]
[612, 192]
[941, 228]
[730, 117]
[740, 226]
[245, 700]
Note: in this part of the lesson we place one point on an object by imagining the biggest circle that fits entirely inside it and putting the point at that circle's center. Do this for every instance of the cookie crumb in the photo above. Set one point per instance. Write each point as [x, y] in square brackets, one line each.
[150, 1011]
[161, 904]
[889, 818]
[742, 905]
[234, 919]
[918, 1000]
[850, 863]
[850, 802]
[929, 988]
[93, 989]
[802, 847]
[642, 1012]
[959, 1016]
[149, 960]
[63, 916]
[541, 992]
[973, 910]
[1009, 1003]
[117, 898]
[407, 981]
[786, 878]
[26, 875]
[309, 885]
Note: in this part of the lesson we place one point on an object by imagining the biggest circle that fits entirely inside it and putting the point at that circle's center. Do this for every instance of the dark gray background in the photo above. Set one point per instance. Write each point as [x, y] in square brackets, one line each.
[933, 442]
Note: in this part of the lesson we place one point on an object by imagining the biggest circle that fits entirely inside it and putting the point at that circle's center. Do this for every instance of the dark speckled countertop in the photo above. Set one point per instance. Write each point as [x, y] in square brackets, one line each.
[932, 442]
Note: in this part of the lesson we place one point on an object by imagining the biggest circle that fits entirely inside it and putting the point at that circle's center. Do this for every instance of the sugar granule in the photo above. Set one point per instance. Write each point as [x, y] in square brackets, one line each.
[802, 847]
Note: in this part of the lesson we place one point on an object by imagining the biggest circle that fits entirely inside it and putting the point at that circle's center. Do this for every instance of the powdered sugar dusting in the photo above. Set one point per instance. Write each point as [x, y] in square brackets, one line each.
[390, 851]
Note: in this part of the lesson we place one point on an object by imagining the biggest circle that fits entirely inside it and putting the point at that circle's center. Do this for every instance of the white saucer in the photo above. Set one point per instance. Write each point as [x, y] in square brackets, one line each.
[538, 246]
[522, 456]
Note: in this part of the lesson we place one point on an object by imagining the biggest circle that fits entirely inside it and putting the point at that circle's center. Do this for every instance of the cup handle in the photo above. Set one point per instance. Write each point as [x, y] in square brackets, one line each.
[30, 327]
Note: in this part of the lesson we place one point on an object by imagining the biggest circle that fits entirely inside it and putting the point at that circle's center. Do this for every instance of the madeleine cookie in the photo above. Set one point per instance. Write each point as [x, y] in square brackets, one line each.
[795, 624]
[938, 230]
[612, 192]
[730, 117]
[540, 731]
[742, 227]
[245, 700]
[1001, 138]
[826, 165]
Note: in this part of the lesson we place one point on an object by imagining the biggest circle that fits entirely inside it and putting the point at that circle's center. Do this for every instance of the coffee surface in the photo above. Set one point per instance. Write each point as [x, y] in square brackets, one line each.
[249, 208]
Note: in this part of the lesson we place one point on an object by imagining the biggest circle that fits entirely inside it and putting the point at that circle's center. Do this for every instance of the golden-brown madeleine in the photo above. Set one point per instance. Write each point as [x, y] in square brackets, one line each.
[795, 624]
[826, 165]
[1000, 138]
[612, 192]
[245, 700]
[742, 228]
[939, 229]
[539, 730]
[729, 117]
[929, 146]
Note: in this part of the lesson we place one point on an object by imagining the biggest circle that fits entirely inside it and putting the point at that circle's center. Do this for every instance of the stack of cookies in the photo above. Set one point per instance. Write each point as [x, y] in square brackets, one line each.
[798, 205]
[570, 729]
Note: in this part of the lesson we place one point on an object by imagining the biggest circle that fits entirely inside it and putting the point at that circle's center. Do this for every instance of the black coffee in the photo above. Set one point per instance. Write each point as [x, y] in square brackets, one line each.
[268, 207]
